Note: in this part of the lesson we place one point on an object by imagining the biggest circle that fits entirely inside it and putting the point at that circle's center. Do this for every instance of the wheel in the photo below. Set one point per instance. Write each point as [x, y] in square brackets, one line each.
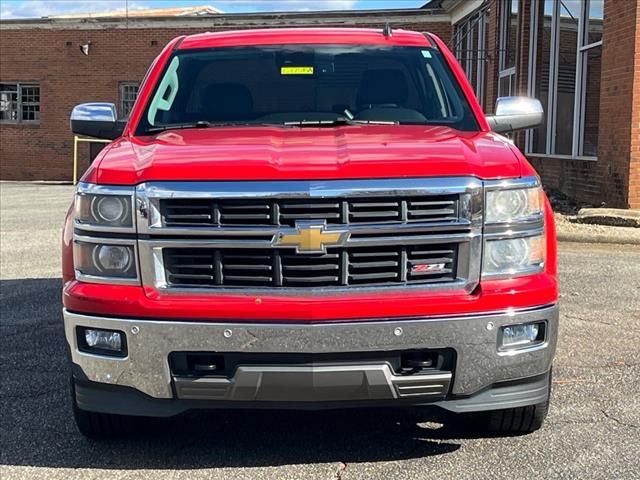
[517, 420]
[513, 421]
[97, 425]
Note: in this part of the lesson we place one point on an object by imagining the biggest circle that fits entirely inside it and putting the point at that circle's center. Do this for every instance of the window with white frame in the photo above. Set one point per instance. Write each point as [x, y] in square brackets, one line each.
[564, 73]
[19, 103]
[470, 47]
[128, 95]
[508, 42]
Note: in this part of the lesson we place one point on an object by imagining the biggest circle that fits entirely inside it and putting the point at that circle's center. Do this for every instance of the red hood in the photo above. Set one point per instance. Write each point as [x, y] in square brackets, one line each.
[273, 153]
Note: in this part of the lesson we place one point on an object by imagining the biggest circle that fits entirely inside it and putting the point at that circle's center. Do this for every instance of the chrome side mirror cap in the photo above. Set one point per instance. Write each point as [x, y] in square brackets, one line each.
[516, 113]
[97, 120]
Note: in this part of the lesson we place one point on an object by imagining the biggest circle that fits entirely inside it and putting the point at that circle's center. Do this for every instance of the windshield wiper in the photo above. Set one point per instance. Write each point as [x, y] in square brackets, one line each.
[198, 124]
[337, 122]
[300, 123]
[376, 122]
[319, 123]
[178, 126]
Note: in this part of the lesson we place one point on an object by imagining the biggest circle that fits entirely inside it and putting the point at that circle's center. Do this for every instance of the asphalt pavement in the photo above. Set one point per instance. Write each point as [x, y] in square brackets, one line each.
[592, 432]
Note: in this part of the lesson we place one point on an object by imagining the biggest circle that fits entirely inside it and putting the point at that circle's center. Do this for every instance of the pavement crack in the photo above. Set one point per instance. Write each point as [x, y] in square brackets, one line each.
[617, 420]
[587, 320]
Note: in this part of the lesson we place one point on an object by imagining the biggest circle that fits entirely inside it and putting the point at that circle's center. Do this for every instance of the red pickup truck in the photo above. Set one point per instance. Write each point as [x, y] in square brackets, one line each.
[309, 218]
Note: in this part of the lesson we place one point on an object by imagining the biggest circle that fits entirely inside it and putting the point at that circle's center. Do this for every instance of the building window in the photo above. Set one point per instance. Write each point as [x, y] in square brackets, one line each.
[507, 59]
[19, 103]
[128, 95]
[564, 73]
[590, 61]
[470, 47]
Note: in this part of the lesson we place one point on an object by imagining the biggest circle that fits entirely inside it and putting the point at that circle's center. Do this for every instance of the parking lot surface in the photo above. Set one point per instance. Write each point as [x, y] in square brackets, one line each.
[593, 429]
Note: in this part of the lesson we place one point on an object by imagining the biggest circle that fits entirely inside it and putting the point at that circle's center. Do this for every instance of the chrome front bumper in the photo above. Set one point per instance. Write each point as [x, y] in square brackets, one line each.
[479, 365]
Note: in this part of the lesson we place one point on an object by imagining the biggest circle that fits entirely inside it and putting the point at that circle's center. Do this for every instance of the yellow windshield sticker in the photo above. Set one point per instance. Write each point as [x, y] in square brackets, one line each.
[296, 70]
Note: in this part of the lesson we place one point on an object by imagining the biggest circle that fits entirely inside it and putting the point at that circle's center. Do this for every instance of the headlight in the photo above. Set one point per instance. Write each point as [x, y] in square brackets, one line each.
[106, 260]
[112, 258]
[514, 256]
[104, 208]
[507, 206]
[110, 209]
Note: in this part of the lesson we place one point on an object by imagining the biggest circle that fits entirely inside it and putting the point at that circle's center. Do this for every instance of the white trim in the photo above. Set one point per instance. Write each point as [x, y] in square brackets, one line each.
[503, 20]
[533, 55]
[482, 52]
[578, 92]
[466, 8]
[563, 157]
[502, 27]
[469, 55]
[591, 45]
[507, 71]
[229, 20]
[553, 79]
[581, 69]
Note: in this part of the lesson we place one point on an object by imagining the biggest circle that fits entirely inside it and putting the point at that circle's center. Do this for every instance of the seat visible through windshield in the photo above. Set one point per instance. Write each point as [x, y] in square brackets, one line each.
[315, 83]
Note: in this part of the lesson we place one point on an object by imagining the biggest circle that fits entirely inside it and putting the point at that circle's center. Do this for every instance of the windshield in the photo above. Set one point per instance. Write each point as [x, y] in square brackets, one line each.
[306, 85]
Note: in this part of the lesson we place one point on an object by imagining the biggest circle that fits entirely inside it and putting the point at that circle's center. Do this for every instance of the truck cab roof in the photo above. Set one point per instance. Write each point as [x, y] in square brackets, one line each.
[309, 36]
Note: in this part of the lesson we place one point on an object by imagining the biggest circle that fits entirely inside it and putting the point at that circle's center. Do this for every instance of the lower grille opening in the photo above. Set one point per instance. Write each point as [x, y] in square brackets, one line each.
[402, 362]
[197, 364]
[421, 360]
[338, 267]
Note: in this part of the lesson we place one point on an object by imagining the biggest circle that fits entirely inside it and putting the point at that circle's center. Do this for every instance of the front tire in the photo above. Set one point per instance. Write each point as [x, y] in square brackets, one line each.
[96, 425]
[513, 421]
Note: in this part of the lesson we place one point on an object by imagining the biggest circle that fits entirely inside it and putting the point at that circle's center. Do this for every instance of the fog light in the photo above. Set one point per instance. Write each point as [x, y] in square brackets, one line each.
[103, 339]
[518, 336]
[106, 342]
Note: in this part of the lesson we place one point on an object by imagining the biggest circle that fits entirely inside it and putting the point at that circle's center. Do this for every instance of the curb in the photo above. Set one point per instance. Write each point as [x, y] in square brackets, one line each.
[36, 182]
[614, 217]
[597, 238]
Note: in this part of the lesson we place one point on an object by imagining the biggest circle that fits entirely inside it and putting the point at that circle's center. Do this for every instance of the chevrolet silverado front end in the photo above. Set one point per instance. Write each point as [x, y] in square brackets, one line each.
[309, 218]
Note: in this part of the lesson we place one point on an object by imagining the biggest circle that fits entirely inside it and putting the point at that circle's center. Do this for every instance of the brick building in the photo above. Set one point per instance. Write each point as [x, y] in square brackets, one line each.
[580, 57]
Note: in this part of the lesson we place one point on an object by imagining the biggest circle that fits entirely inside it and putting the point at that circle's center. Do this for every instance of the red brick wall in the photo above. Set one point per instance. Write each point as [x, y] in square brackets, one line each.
[634, 163]
[53, 58]
[66, 78]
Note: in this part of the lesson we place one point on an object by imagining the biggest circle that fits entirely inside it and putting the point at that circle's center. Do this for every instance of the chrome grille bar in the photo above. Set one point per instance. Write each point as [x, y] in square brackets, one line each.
[388, 224]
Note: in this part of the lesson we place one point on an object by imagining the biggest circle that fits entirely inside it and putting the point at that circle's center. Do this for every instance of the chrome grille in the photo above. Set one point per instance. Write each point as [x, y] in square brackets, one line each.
[177, 212]
[404, 233]
[364, 266]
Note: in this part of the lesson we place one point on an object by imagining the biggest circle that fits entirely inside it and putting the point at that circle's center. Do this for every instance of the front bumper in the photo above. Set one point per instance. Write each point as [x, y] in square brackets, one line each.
[479, 366]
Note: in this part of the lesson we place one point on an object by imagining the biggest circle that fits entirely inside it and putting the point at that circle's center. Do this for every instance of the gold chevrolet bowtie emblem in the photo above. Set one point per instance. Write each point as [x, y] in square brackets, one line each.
[312, 238]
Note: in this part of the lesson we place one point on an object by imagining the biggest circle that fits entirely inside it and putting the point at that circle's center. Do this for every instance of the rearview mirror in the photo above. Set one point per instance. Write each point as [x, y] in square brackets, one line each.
[516, 113]
[97, 120]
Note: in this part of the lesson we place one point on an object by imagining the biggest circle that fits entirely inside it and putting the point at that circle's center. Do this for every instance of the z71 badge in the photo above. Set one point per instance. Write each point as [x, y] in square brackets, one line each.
[428, 268]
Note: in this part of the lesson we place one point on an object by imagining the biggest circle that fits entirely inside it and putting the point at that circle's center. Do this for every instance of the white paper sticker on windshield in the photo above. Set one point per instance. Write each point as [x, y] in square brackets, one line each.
[426, 53]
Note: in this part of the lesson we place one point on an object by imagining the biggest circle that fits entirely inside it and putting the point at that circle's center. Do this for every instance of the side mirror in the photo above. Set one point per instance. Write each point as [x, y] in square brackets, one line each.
[97, 120]
[516, 113]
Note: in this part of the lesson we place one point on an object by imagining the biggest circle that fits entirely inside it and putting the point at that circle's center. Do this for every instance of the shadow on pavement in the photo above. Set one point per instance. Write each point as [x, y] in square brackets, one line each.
[37, 428]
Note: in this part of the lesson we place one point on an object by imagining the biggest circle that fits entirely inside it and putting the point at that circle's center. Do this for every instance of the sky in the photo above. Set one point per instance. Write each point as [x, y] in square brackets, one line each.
[40, 8]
